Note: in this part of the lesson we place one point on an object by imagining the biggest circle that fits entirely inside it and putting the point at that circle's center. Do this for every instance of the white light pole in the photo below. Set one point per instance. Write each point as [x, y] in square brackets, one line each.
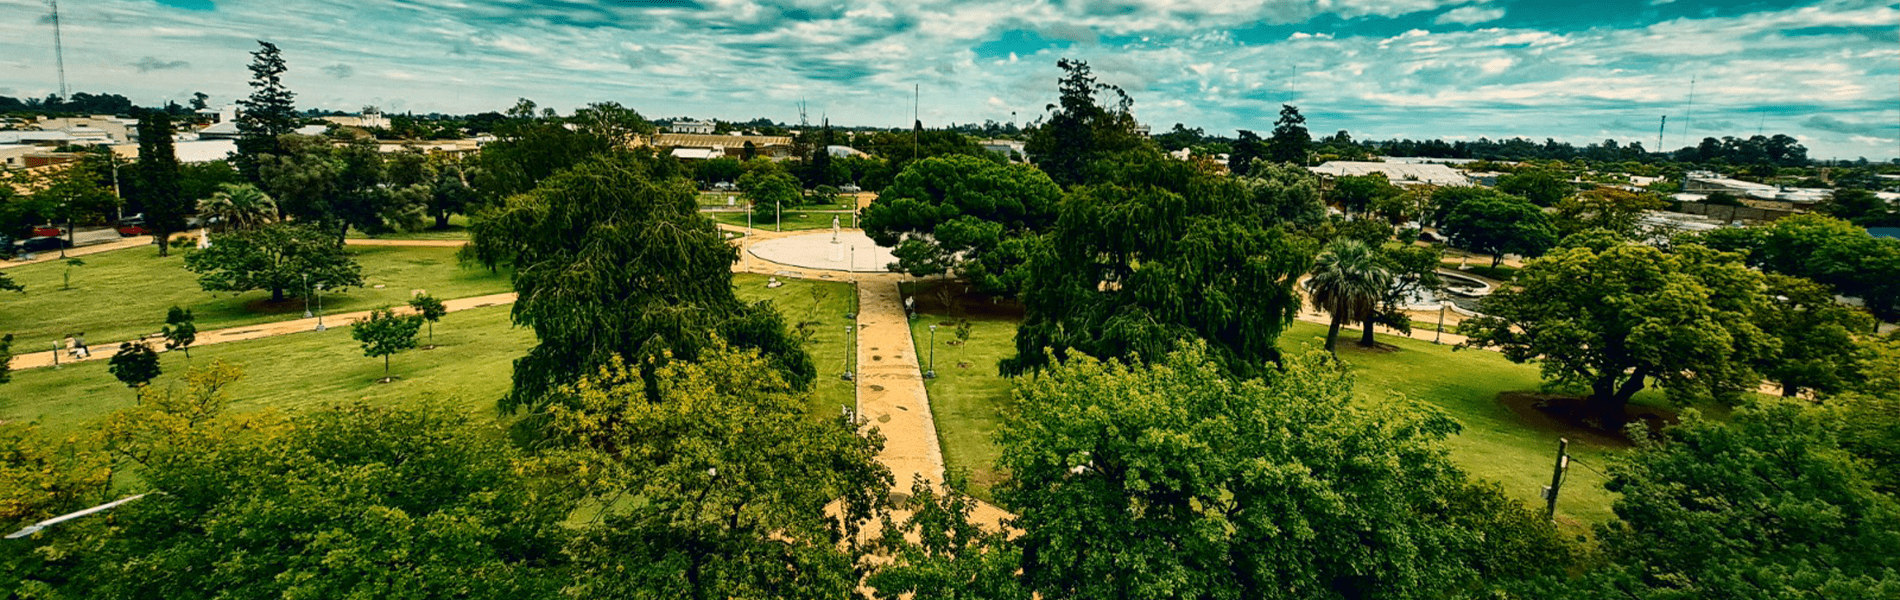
[848, 375]
[306, 295]
[320, 306]
[36, 527]
[932, 373]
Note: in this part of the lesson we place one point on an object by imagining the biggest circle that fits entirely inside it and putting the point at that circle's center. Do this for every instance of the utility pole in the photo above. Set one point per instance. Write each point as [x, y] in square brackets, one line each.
[1556, 479]
[1659, 132]
[59, 53]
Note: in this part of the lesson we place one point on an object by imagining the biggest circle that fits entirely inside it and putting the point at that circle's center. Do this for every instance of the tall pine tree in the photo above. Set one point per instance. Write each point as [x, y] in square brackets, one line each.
[269, 111]
[160, 189]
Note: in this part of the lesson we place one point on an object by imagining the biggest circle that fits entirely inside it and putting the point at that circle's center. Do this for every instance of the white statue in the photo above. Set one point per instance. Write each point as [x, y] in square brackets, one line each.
[834, 229]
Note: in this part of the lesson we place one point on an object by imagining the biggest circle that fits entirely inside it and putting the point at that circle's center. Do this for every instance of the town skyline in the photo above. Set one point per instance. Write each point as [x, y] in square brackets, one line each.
[1818, 71]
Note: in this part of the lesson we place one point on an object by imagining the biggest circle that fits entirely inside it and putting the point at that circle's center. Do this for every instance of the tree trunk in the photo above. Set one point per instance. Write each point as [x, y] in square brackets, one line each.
[277, 294]
[385, 366]
[164, 243]
[1789, 389]
[1332, 335]
[1607, 399]
[1366, 340]
[442, 220]
[1497, 259]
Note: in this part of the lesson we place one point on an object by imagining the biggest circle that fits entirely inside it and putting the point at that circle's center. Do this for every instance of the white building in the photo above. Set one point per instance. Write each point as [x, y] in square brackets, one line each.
[692, 127]
[1403, 174]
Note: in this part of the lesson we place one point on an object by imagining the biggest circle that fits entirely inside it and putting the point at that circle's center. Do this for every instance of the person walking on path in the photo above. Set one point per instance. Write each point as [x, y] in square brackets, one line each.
[79, 346]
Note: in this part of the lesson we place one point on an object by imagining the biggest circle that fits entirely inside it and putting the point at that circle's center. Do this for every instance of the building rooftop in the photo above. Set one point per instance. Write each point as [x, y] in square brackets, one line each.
[1397, 173]
[721, 141]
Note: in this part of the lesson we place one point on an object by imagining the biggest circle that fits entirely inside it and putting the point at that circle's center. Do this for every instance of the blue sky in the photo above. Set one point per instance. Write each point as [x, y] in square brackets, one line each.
[1825, 71]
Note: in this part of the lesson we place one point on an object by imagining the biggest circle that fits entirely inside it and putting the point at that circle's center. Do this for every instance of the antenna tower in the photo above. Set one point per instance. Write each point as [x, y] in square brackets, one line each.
[1659, 133]
[803, 123]
[59, 52]
[1690, 118]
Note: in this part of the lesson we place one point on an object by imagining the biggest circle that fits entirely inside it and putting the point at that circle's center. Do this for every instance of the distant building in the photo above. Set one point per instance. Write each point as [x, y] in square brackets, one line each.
[1010, 149]
[1402, 174]
[691, 127]
[1703, 182]
[733, 146]
[13, 156]
[843, 151]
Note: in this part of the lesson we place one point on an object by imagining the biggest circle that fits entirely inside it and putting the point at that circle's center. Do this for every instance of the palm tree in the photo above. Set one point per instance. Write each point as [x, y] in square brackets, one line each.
[1348, 280]
[237, 207]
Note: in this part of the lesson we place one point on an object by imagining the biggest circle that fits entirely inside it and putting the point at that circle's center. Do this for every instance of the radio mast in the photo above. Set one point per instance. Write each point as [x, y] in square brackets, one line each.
[59, 52]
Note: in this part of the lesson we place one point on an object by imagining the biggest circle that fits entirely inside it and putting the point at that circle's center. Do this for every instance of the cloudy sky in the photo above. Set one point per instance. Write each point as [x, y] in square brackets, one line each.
[1826, 71]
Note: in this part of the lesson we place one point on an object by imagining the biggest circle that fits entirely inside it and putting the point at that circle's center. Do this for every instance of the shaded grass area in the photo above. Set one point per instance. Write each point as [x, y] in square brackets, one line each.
[971, 404]
[457, 230]
[820, 321]
[123, 294]
[799, 219]
[471, 367]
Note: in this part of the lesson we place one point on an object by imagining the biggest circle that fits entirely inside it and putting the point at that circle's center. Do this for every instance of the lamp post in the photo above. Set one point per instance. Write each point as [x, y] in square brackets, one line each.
[776, 218]
[932, 372]
[848, 375]
[1441, 321]
[306, 295]
[320, 306]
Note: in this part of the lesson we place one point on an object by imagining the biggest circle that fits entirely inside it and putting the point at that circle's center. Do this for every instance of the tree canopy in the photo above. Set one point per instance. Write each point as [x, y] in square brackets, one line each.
[612, 260]
[1179, 481]
[964, 214]
[1163, 253]
[1498, 224]
[1290, 139]
[277, 257]
[268, 113]
[1089, 120]
[1611, 316]
[160, 189]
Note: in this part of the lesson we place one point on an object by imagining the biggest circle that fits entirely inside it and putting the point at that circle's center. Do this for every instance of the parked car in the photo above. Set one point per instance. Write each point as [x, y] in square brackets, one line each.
[130, 227]
[849, 189]
[48, 232]
[41, 244]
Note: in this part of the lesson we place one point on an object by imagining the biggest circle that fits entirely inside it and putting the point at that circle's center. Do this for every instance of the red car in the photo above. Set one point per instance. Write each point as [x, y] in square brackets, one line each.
[131, 229]
[47, 232]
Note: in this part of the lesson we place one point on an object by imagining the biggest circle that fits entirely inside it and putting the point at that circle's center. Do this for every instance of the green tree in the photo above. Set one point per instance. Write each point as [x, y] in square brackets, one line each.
[1089, 120]
[1816, 334]
[1610, 316]
[180, 331]
[449, 193]
[6, 358]
[66, 275]
[237, 207]
[1540, 186]
[430, 309]
[1178, 481]
[1764, 506]
[611, 260]
[1162, 254]
[135, 365]
[1290, 140]
[1360, 193]
[1861, 207]
[769, 190]
[533, 146]
[961, 213]
[1609, 209]
[384, 334]
[1830, 251]
[740, 493]
[160, 187]
[1349, 280]
[1497, 225]
[1414, 270]
[46, 476]
[268, 113]
[277, 257]
[939, 552]
[1249, 150]
[342, 502]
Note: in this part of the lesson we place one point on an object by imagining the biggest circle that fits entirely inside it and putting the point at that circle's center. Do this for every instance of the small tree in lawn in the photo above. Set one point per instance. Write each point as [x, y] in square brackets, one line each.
[430, 309]
[136, 365]
[384, 334]
[181, 329]
[66, 277]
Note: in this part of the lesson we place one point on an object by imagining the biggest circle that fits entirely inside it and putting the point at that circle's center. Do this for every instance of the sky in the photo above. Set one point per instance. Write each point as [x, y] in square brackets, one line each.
[1824, 71]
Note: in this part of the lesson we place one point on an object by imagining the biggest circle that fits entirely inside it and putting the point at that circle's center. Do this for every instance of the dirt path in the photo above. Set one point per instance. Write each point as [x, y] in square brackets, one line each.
[122, 244]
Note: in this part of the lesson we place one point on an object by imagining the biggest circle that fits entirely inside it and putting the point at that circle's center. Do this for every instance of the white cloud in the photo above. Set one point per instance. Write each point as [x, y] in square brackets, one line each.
[1466, 15]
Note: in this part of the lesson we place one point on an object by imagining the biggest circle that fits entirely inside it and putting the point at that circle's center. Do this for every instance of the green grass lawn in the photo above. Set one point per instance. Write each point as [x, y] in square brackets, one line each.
[471, 367]
[798, 219]
[123, 294]
[970, 404]
[824, 321]
[457, 230]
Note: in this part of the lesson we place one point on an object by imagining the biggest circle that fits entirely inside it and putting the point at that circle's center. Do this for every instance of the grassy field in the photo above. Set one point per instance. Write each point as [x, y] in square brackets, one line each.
[824, 323]
[794, 219]
[123, 294]
[971, 403]
[471, 366]
[457, 230]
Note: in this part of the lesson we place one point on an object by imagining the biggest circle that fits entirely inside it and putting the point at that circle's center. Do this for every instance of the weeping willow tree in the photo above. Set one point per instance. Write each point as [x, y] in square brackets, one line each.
[612, 259]
[1156, 253]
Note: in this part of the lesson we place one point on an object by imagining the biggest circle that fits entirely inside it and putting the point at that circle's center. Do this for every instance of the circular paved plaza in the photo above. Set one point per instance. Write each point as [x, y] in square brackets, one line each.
[853, 251]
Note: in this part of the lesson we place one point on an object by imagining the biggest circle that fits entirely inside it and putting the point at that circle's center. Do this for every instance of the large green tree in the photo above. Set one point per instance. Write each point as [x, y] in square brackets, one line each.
[1609, 209]
[1541, 187]
[160, 189]
[268, 113]
[612, 260]
[718, 486]
[1290, 140]
[1611, 316]
[277, 258]
[237, 207]
[1498, 224]
[1817, 336]
[533, 146]
[1831, 251]
[1177, 480]
[964, 214]
[1358, 194]
[1162, 253]
[1089, 120]
[1349, 279]
[1766, 505]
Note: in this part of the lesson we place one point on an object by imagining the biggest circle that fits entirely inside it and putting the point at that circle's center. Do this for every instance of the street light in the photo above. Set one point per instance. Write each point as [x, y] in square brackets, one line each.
[306, 295]
[36, 527]
[848, 375]
[932, 373]
[320, 306]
